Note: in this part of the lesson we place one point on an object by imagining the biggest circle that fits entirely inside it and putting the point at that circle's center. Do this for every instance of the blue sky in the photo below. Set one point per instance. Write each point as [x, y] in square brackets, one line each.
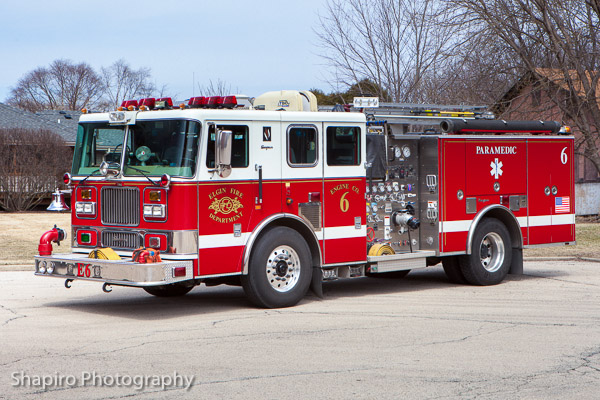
[254, 46]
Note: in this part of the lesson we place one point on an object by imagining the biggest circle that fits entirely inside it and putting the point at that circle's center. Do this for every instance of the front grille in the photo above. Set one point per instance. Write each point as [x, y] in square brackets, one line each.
[120, 206]
[122, 240]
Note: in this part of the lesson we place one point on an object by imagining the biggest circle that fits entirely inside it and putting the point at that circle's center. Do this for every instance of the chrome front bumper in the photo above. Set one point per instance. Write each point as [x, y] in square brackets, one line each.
[120, 272]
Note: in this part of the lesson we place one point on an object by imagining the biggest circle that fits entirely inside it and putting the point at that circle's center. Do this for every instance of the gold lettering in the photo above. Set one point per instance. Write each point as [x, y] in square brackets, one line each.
[339, 187]
[225, 220]
[216, 193]
[236, 192]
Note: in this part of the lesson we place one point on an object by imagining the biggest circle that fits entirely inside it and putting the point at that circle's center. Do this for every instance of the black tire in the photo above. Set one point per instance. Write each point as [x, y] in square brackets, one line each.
[280, 269]
[171, 290]
[490, 259]
[452, 270]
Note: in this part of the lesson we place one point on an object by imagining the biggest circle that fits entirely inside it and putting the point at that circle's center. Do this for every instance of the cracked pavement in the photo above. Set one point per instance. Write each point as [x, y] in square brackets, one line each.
[535, 336]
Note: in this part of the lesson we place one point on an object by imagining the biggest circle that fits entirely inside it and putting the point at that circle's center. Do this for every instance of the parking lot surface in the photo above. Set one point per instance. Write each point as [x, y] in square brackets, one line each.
[534, 336]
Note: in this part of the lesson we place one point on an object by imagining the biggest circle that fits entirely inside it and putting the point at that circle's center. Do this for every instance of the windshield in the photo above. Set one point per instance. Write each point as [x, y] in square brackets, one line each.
[153, 147]
[162, 147]
[96, 142]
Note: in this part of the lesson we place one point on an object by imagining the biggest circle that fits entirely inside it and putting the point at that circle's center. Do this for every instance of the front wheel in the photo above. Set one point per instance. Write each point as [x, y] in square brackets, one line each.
[280, 269]
[489, 261]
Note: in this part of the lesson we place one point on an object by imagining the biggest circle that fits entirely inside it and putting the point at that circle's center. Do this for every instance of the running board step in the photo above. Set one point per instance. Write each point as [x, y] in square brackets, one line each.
[399, 261]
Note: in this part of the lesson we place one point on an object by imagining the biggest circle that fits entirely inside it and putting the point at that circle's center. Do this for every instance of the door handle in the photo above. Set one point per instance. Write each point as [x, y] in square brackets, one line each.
[259, 199]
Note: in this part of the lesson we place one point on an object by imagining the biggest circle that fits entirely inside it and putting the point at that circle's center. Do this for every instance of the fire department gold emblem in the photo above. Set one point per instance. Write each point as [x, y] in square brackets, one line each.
[225, 205]
[226, 209]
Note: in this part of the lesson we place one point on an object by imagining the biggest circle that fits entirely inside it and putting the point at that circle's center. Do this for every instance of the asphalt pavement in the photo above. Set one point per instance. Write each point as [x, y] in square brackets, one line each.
[536, 336]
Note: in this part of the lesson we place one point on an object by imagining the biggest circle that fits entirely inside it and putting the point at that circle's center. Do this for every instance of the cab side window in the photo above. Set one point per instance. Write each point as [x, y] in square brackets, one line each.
[302, 146]
[343, 145]
[239, 149]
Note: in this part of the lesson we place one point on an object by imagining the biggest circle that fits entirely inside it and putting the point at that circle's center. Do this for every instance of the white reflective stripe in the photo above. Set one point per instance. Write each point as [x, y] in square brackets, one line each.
[563, 219]
[540, 220]
[228, 240]
[343, 232]
[224, 240]
[524, 222]
[455, 226]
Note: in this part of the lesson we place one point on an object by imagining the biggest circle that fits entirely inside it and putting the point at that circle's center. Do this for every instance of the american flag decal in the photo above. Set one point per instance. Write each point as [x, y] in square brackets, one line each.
[562, 204]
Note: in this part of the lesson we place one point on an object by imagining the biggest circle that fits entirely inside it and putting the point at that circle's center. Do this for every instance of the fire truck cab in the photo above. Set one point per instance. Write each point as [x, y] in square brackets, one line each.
[278, 200]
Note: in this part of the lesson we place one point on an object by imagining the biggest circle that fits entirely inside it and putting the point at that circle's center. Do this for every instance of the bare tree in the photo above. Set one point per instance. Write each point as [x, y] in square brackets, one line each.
[61, 86]
[121, 82]
[218, 88]
[478, 72]
[31, 163]
[396, 44]
[560, 36]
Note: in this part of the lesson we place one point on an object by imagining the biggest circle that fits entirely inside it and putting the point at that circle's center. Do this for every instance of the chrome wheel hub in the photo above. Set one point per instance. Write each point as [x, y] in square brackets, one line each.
[492, 252]
[283, 268]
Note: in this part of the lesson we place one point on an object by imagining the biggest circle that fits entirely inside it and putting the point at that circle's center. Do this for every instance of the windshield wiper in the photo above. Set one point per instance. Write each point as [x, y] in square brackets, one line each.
[142, 172]
[85, 179]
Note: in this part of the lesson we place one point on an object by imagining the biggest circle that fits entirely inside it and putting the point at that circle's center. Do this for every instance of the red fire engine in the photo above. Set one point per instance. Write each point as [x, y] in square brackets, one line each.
[279, 197]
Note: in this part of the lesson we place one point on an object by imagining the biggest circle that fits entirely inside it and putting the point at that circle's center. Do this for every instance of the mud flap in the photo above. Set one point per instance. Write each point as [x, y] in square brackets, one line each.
[316, 285]
[516, 262]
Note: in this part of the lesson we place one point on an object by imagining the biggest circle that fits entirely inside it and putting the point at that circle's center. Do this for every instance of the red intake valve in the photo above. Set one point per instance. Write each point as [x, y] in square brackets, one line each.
[55, 235]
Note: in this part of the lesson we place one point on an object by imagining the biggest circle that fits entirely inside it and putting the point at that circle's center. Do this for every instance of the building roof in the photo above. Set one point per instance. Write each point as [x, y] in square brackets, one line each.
[64, 123]
[550, 77]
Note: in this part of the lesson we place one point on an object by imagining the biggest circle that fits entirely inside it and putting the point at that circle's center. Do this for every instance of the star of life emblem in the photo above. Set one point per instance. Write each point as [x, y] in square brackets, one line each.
[496, 168]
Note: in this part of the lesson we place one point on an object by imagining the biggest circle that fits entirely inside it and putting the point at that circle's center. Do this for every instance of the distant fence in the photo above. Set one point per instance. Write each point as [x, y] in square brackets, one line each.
[28, 184]
[587, 198]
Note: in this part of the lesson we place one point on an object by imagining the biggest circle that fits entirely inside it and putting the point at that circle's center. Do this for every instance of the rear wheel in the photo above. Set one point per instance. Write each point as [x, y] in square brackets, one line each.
[489, 261]
[171, 290]
[452, 270]
[280, 269]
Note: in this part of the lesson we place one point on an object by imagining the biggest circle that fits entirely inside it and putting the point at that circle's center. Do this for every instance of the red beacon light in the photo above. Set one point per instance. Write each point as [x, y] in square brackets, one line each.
[164, 103]
[129, 105]
[228, 102]
[67, 178]
[198, 102]
[213, 101]
[147, 104]
[165, 180]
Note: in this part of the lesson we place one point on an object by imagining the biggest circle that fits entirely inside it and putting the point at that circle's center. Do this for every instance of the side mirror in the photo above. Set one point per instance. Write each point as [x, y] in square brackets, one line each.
[223, 144]
[110, 169]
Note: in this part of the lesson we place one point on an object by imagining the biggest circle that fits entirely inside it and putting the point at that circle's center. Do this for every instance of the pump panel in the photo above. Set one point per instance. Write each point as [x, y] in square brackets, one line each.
[402, 208]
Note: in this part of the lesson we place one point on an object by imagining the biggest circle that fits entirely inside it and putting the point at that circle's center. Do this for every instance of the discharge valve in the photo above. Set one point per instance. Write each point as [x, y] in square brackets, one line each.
[402, 218]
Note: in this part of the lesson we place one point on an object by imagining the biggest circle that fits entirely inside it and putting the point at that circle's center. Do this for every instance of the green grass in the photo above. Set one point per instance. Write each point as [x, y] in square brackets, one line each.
[20, 235]
[588, 244]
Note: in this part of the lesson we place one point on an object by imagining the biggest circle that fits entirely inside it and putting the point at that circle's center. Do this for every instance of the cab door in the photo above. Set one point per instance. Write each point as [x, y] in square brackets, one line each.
[302, 173]
[344, 204]
[225, 204]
